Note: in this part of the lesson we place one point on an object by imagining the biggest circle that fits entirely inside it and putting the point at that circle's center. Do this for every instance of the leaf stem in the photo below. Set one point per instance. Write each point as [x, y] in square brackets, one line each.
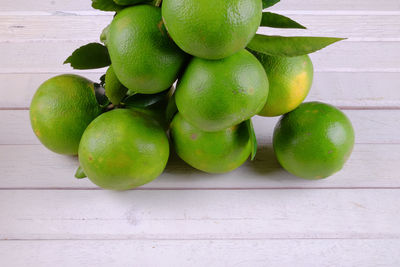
[157, 3]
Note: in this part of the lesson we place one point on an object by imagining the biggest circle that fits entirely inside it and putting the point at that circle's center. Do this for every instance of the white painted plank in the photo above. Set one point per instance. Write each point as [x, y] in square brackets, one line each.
[84, 27]
[240, 253]
[19, 88]
[57, 5]
[371, 126]
[199, 214]
[370, 166]
[348, 89]
[62, 27]
[47, 57]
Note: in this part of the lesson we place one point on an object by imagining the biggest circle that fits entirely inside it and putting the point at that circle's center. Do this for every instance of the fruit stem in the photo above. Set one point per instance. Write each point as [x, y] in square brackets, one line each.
[157, 3]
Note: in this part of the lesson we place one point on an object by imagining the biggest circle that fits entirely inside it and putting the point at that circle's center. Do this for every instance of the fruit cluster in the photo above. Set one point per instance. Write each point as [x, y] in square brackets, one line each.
[226, 74]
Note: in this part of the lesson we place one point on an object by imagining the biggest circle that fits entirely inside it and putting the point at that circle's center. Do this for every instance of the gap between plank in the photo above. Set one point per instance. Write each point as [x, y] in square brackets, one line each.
[349, 40]
[321, 70]
[196, 188]
[202, 239]
[284, 12]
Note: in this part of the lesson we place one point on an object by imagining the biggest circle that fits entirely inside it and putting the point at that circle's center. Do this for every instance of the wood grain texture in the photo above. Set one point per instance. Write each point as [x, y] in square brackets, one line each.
[78, 5]
[338, 88]
[345, 56]
[370, 166]
[255, 253]
[20, 28]
[258, 215]
[208, 214]
[371, 126]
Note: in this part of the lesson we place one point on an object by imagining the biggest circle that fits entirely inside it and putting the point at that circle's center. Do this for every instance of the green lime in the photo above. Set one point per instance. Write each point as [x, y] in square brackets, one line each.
[217, 94]
[212, 29]
[115, 91]
[60, 111]
[143, 56]
[123, 149]
[213, 152]
[290, 80]
[314, 141]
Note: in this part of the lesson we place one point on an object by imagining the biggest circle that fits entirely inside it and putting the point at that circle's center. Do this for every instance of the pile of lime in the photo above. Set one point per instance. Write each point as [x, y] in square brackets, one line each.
[188, 76]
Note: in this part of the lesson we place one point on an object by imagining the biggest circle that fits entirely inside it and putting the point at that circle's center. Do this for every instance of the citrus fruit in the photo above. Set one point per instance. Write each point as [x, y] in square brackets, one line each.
[60, 111]
[212, 29]
[213, 152]
[290, 80]
[115, 91]
[314, 141]
[216, 94]
[143, 57]
[123, 149]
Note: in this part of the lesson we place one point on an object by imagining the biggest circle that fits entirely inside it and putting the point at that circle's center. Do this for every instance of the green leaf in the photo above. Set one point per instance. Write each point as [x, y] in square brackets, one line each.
[80, 174]
[253, 138]
[144, 101]
[278, 21]
[289, 46]
[269, 3]
[106, 5]
[129, 2]
[90, 56]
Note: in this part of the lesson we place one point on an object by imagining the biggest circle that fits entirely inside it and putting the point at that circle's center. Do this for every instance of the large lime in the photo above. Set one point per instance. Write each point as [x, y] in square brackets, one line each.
[123, 149]
[213, 152]
[313, 141]
[290, 80]
[217, 94]
[60, 111]
[212, 29]
[143, 56]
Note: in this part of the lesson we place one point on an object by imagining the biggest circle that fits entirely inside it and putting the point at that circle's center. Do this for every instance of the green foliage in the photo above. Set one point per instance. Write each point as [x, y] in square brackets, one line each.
[278, 21]
[143, 100]
[289, 46]
[106, 5]
[90, 56]
[269, 3]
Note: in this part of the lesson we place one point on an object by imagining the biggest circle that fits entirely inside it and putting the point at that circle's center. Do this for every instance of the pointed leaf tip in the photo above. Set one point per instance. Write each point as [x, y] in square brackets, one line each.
[289, 46]
[106, 5]
[278, 21]
[269, 3]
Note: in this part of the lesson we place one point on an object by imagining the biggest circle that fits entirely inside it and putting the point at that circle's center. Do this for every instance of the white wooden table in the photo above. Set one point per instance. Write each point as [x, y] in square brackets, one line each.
[258, 215]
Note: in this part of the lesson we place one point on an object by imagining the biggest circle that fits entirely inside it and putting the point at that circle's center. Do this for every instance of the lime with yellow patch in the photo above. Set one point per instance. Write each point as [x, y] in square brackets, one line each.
[123, 149]
[212, 152]
[217, 94]
[143, 57]
[60, 111]
[212, 29]
[313, 141]
[290, 80]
